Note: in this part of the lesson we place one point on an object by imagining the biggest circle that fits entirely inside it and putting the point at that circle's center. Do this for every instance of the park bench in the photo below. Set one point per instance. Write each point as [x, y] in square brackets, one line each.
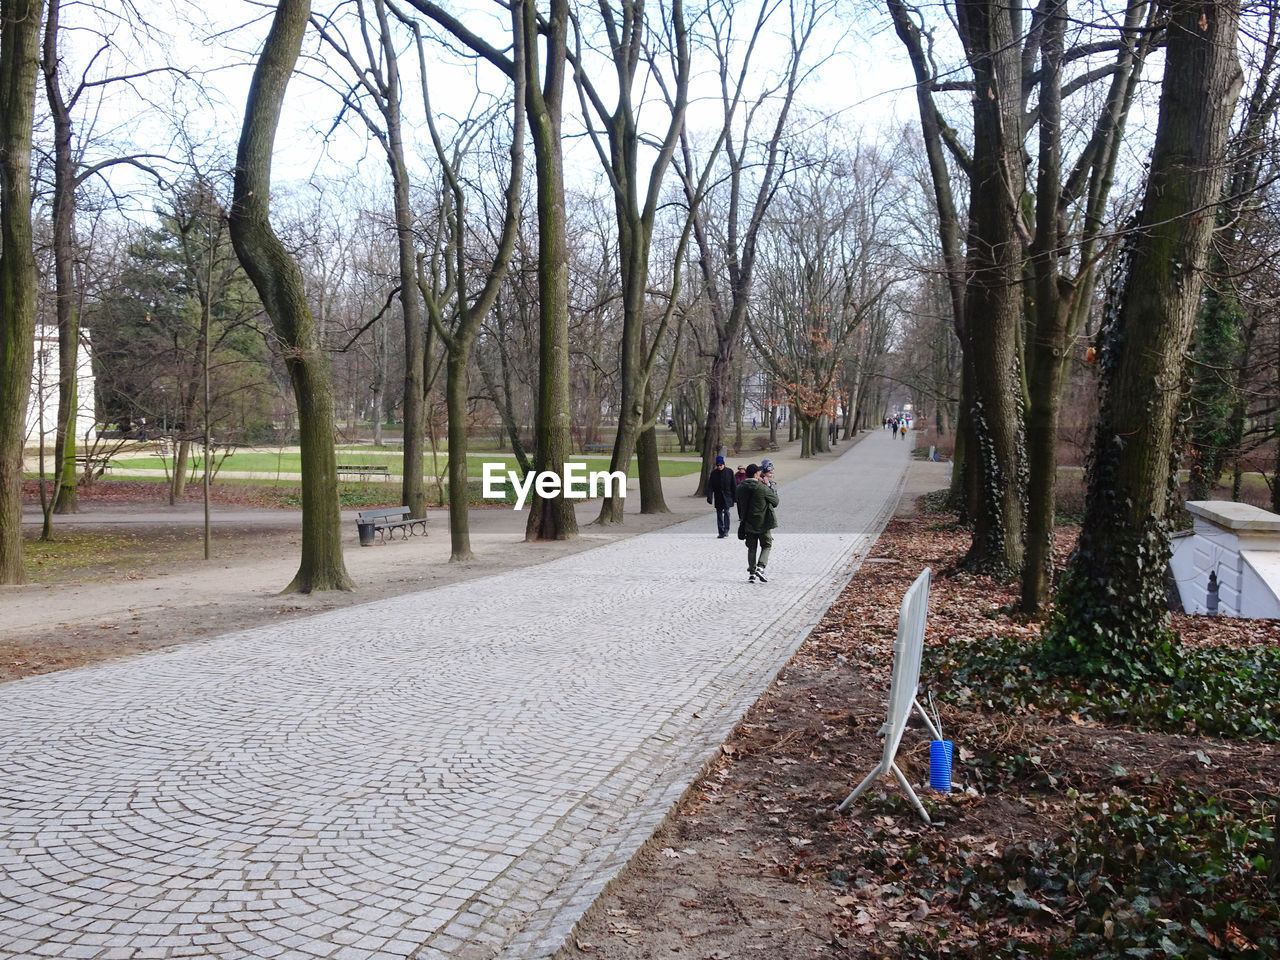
[597, 448]
[95, 466]
[385, 521]
[364, 470]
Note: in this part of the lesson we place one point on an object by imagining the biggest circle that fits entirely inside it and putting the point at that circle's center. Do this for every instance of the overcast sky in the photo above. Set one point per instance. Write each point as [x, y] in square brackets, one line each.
[864, 79]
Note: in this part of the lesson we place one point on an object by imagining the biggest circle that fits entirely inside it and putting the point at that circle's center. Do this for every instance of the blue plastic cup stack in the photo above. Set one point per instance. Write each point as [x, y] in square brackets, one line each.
[940, 765]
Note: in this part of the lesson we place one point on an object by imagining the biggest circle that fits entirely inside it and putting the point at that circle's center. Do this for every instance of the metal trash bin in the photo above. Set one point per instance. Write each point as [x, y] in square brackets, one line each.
[366, 528]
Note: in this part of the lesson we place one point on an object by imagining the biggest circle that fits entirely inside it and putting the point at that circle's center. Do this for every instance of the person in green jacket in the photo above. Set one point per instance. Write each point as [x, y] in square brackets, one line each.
[757, 497]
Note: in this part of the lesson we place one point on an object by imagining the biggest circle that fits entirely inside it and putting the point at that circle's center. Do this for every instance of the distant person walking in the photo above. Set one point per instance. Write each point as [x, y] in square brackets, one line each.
[721, 492]
[757, 498]
[893, 424]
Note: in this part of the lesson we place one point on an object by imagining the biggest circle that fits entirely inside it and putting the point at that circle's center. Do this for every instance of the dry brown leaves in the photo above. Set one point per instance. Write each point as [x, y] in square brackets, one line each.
[760, 829]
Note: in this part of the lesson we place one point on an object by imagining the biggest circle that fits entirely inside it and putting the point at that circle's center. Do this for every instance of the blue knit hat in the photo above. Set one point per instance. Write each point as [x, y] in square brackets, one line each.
[719, 461]
[766, 465]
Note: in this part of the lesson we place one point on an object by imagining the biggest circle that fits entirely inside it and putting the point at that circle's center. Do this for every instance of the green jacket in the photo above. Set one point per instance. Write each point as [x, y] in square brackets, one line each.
[756, 501]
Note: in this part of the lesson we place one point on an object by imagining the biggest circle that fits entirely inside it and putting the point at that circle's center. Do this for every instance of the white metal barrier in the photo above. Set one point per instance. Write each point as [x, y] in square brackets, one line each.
[907, 649]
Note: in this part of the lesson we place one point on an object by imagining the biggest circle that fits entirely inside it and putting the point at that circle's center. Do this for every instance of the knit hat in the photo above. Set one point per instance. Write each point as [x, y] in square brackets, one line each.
[719, 461]
[766, 465]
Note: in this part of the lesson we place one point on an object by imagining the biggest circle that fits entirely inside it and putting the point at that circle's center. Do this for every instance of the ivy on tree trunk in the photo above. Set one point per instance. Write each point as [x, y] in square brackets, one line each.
[1111, 616]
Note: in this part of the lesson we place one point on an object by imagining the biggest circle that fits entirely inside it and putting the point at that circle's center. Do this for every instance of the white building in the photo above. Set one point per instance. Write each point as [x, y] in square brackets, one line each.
[42, 404]
[1240, 545]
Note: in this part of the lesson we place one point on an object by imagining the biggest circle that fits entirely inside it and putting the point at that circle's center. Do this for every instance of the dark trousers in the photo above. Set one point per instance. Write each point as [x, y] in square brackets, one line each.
[722, 520]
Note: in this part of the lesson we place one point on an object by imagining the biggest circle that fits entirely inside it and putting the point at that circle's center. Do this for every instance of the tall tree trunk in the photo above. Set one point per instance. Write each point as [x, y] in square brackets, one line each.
[1111, 615]
[378, 384]
[181, 456]
[550, 518]
[68, 488]
[719, 392]
[278, 281]
[470, 310]
[456, 388]
[379, 77]
[1059, 305]
[64, 203]
[633, 252]
[628, 28]
[648, 466]
[802, 427]
[649, 481]
[413, 491]
[993, 301]
[19, 62]
[1049, 316]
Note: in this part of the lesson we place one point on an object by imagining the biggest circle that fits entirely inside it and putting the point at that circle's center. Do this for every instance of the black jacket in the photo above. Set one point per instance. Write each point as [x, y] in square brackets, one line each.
[721, 488]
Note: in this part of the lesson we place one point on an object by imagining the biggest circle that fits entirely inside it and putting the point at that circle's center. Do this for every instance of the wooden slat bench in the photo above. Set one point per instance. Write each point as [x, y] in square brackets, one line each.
[364, 470]
[387, 520]
[597, 448]
[94, 465]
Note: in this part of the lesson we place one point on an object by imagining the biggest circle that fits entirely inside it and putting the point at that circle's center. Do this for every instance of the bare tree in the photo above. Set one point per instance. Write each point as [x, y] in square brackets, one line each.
[19, 63]
[825, 265]
[752, 171]
[71, 169]
[1023, 291]
[629, 31]
[377, 77]
[457, 310]
[1063, 280]
[545, 40]
[1111, 615]
[279, 283]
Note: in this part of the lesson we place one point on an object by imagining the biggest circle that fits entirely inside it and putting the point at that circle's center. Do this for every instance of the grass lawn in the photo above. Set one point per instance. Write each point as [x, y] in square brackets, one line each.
[93, 554]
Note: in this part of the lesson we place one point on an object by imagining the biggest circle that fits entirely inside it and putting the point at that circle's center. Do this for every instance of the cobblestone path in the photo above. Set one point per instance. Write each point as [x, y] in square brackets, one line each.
[454, 773]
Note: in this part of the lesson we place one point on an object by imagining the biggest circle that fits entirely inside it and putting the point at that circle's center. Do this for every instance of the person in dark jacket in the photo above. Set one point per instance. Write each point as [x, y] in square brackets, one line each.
[757, 498]
[721, 491]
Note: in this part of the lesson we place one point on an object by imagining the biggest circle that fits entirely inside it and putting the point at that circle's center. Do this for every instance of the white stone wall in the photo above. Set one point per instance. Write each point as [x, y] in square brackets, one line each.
[42, 404]
[1241, 544]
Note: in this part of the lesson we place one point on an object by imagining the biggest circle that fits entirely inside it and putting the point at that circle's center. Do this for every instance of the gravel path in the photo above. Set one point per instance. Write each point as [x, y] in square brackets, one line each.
[452, 773]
